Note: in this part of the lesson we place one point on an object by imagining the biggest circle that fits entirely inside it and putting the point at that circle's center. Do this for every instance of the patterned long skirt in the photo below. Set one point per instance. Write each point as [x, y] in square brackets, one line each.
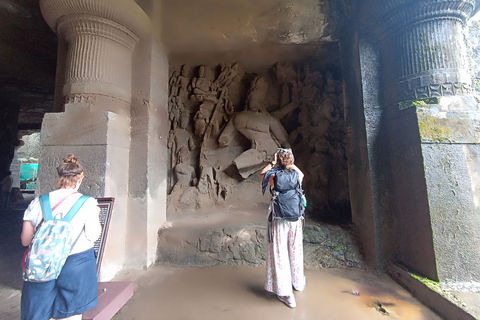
[285, 258]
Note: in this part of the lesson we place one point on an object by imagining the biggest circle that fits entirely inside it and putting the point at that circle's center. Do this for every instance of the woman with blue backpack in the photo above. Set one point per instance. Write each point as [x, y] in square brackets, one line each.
[285, 227]
[60, 228]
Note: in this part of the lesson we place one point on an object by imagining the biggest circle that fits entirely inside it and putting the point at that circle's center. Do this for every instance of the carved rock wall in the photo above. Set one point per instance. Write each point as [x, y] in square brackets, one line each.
[304, 95]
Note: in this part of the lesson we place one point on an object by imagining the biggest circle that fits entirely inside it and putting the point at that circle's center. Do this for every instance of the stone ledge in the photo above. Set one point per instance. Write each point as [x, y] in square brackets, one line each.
[325, 246]
[433, 300]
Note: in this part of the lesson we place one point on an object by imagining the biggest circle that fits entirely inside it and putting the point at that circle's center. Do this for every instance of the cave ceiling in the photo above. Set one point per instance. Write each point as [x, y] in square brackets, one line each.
[28, 51]
[28, 47]
[220, 25]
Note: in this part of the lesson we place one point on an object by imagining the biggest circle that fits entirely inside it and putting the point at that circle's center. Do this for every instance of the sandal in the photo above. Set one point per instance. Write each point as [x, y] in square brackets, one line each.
[288, 300]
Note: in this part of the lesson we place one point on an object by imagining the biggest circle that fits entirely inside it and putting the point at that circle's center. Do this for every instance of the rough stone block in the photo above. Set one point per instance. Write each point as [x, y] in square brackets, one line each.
[93, 159]
[451, 175]
[340, 251]
[78, 126]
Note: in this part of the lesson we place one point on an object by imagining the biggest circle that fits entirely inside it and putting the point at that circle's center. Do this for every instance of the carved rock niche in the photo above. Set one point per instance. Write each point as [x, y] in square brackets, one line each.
[228, 119]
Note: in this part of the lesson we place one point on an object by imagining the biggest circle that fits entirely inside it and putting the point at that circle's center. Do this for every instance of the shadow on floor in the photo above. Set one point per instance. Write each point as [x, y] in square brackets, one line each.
[11, 249]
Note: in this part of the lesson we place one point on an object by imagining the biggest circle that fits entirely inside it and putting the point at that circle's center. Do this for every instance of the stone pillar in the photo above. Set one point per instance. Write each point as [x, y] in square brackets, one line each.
[148, 153]
[361, 178]
[432, 132]
[98, 38]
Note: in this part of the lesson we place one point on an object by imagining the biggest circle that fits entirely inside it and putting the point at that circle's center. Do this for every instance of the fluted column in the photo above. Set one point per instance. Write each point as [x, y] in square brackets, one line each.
[424, 47]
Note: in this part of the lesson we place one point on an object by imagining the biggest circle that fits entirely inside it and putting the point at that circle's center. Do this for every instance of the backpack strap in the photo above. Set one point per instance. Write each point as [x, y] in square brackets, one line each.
[74, 209]
[46, 207]
[266, 177]
[303, 200]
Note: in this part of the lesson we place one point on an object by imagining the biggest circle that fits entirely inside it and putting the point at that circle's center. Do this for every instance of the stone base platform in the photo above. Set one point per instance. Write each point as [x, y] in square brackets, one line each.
[233, 236]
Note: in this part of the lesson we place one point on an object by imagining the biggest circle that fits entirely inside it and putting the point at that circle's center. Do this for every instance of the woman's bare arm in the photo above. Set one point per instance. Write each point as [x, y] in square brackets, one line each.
[93, 228]
[264, 170]
[27, 233]
[269, 167]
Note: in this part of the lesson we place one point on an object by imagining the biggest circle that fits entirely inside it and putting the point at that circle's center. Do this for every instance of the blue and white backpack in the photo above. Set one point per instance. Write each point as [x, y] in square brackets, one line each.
[51, 244]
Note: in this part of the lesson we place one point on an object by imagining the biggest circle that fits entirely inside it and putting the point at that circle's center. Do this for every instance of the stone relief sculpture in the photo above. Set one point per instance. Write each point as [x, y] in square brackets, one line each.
[230, 139]
[265, 133]
[173, 84]
[184, 191]
[180, 137]
[175, 107]
[287, 79]
[185, 175]
[202, 119]
[183, 82]
[227, 75]
[215, 104]
[202, 87]
[320, 137]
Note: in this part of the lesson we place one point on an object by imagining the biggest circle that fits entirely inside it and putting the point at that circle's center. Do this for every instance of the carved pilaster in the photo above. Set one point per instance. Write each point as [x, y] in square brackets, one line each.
[424, 46]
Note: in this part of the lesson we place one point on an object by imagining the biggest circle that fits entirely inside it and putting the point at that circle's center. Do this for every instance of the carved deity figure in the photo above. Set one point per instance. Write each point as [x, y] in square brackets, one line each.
[185, 175]
[202, 87]
[180, 137]
[183, 82]
[173, 83]
[287, 79]
[258, 126]
[175, 108]
[318, 113]
[227, 75]
[311, 77]
[330, 83]
[202, 118]
[184, 193]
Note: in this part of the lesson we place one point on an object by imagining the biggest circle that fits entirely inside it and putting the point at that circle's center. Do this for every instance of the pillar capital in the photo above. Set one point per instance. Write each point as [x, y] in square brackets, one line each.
[124, 12]
[107, 46]
[424, 48]
[392, 16]
[75, 25]
[98, 37]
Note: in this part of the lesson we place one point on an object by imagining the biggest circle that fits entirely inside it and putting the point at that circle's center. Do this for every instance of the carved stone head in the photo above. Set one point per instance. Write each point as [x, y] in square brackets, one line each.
[256, 94]
[185, 70]
[201, 72]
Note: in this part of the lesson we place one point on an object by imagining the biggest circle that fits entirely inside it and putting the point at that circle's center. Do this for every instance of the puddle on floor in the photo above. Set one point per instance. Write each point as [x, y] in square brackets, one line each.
[181, 293]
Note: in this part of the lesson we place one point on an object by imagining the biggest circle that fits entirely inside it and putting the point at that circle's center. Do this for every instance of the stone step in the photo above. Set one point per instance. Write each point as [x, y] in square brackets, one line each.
[238, 237]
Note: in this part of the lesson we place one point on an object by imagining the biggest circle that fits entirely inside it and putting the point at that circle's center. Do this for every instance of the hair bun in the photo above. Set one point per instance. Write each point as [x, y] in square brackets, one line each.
[70, 159]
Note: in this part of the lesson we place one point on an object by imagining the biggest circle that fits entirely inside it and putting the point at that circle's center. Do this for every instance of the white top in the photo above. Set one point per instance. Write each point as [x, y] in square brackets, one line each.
[85, 220]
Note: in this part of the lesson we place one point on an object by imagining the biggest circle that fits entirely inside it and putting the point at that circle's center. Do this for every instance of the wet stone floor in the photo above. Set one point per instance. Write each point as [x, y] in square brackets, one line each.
[226, 293]
[231, 293]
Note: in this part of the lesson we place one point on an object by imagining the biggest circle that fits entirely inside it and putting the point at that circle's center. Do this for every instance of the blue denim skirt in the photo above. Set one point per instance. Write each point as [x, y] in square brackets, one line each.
[73, 292]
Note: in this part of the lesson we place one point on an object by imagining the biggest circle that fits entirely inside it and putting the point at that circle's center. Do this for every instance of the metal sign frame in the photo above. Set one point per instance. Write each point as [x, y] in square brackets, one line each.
[106, 208]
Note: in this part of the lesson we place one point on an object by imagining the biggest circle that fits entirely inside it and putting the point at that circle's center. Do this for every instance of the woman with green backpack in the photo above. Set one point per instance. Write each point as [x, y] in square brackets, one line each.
[60, 229]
